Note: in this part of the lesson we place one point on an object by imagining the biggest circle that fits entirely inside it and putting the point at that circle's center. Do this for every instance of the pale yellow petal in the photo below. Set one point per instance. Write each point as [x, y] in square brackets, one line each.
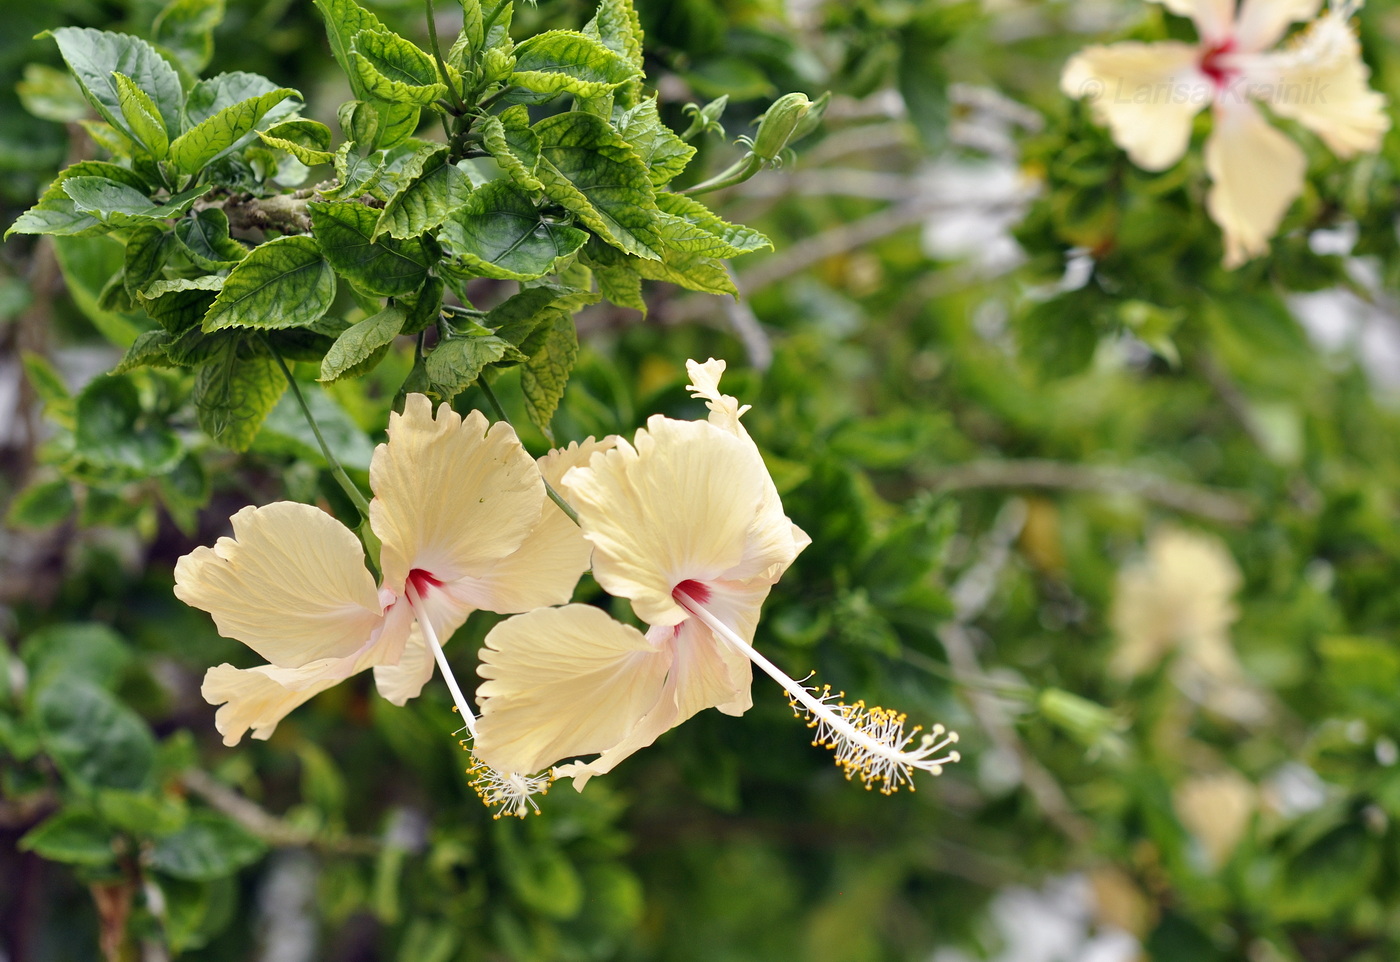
[291, 584]
[1146, 94]
[725, 411]
[1324, 85]
[1214, 19]
[676, 507]
[254, 698]
[663, 716]
[384, 647]
[562, 682]
[1216, 809]
[546, 567]
[451, 497]
[1262, 23]
[399, 682]
[1256, 173]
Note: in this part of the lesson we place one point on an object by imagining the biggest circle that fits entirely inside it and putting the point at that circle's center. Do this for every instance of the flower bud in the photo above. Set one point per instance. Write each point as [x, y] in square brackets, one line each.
[1087, 722]
[777, 124]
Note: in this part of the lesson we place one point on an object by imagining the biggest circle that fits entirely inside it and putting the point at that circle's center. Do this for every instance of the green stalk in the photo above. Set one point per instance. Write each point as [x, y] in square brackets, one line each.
[437, 56]
[337, 471]
[739, 172]
[554, 496]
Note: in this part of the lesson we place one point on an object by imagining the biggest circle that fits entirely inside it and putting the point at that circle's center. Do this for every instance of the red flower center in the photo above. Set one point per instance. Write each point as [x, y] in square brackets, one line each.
[1211, 65]
[693, 589]
[422, 581]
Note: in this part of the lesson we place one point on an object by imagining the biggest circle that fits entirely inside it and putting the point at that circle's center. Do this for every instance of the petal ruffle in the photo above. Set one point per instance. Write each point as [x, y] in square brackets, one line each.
[546, 567]
[677, 507]
[1256, 173]
[451, 496]
[1214, 19]
[1324, 85]
[291, 584]
[725, 411]
[254, 698]
[562, 682]
[1146, 93]
[400, 682]
[1262, 23]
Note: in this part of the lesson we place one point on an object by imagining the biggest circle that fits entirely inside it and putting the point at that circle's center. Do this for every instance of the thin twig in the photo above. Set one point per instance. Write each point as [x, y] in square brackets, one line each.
[266, 826]
[1222, 506]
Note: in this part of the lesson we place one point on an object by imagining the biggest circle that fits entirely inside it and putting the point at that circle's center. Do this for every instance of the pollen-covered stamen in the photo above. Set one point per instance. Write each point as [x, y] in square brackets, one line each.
[869, 742]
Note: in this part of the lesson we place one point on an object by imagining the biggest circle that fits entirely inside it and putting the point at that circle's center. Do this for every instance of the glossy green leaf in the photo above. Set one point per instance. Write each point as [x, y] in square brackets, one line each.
[42, 504]
[205, 239]
[516, 149]
[222, 91]
[565, 61]
[394, 70]
[148, 350]
[56, 213]
[95, 56]
[307, 140]
[179, 306]
[92, 737]
[210, 846]
[141, 116]
[222, 132]
[425, 199]
[114, 432]
[361, 346]
[344, 19]
[617, 27]
[233, 394]
[283, 283]
[118, 205]
[147, 247]
[387, 267]
[588, 169]
[456, 363]
[499, 233]
[73, 838]
[186, 27]
[660, 148]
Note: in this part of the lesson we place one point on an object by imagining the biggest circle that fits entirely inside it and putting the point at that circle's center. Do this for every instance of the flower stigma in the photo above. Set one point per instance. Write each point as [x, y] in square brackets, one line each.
[870, 742]
[510, 790]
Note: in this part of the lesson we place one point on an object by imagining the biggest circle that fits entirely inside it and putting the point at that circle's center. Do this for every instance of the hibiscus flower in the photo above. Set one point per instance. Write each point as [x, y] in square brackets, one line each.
[1149, 93]
[686, 524]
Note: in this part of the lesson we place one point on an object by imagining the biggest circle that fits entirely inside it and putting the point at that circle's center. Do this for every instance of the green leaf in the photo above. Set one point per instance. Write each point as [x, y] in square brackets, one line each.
[394, 70]
[95, 56]
[147, 247]
[357, 350]
[141, 116]
[118, 205]
[425, 307]
[564, 61]
[619, 274]
[94, 739]
[516, 149]
[499, 233]
[180, 306]
[661, 149]
[306, 140]
[210, 846]
[42, 504]
[221, 133]
[73, 838]
[546, 373]
[56, 213]
[141, 813]
[344, 19]
[186, 28]
[234, 394]
[206, 241]
[357, 175]
[425, 200]
[90, 264]
[283, 283]
[472, 39]
[587, 168]
[51, 94]
[148, 350]
[114, 432]
[387, 267]
[184, 491]
[693, 228]
[48, 385]
[218, 93]
[457, 362]
[517, 318]
[86, 650]
[285, 432]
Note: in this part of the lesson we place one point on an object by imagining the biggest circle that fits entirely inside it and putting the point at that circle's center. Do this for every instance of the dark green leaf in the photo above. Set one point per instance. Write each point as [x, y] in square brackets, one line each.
[283, 283]
[358, 349]
[660, 148]
[516, 149]
[141, 813]
[148, 350]
[457, 362]
[55, 213]
[95, 55]
[586, 167]
[206, 241]
[425, 199]
[224, 131]
[425, 307]
[71, 837]
[41, 505]
[184, 491]
[179, 306]
[146, 249]
[500, 233]
[546, 373]
[517, 317]
[564, 61]
[387, 267]
[234, 394]
[285, 432]
[210, 846]
[114, 432]
[94, 739]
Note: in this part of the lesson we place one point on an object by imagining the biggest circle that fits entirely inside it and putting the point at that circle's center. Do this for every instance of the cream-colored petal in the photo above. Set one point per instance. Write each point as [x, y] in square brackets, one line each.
[291, 584]
[1146, 93]
[254, 698]
[1214, 19]
[398, 683]
[1323, 84]
[562, 682]
[384, 647]
[1262, 23]
[678, 506]
[546, 567]
[1256, 173]
[725, 411]
[709, 673]
[451, 497]
[663, 716]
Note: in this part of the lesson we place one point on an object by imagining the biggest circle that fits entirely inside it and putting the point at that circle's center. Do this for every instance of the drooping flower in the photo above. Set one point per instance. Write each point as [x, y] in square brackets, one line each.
[1149, 93]
[686, 524]
[461, 513]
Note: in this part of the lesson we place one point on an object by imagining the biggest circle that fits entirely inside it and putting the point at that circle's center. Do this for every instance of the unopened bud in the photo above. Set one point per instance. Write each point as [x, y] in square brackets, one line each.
[777, 124]
[812, 120]
[1087, 722]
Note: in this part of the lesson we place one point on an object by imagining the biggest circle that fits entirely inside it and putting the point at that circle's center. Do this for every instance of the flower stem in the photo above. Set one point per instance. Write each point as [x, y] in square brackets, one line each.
[740, 171]
[337, 471]
[554, 496]
[430, 636]
[437, 56]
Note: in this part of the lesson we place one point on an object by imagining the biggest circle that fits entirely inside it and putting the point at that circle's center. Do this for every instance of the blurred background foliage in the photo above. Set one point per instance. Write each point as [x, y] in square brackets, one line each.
[1124, 519]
